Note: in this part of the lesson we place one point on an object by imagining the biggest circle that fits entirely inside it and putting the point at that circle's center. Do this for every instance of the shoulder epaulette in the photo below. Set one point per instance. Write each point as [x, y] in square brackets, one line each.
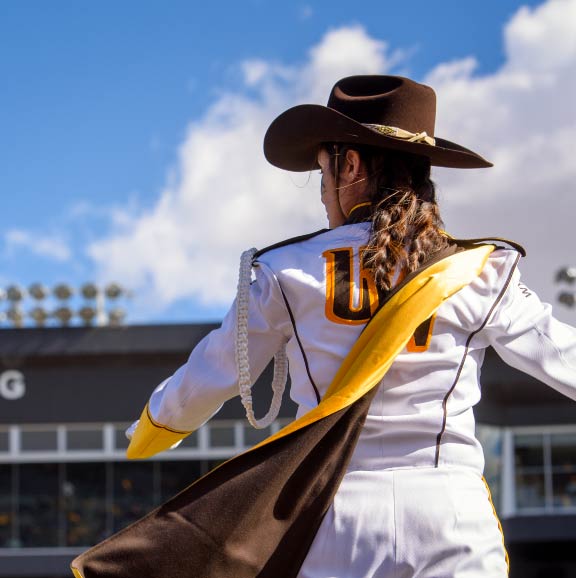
[491, 241]
[290, 241]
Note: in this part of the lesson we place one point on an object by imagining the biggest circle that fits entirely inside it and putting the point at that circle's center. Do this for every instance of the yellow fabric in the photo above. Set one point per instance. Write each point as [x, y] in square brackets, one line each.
[151, 438]
[389, 332]
[370, 357]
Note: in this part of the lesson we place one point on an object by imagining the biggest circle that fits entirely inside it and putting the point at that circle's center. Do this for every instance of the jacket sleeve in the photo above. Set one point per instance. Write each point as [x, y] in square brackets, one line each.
[197, 390]
[525, 334]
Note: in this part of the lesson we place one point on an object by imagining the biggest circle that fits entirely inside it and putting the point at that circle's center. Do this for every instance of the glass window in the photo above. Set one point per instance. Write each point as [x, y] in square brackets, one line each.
[38, 440]
[133, 492]
[38, 505]
[530, 471]
[282, 422]
[190, 441]
[546, 471]
[6, 512]
[252, 436]
[84, 500]
[563, 451]
[529, 451]
[491, 439]
[563, 456]
[175, 476]
[121, 441]
[84, 439]
[564, 490]
[4, 441]
[530, 491]
[222, 436]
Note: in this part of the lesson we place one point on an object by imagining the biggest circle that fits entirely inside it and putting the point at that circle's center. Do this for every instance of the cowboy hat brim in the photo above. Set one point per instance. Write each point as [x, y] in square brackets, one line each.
[293, 138]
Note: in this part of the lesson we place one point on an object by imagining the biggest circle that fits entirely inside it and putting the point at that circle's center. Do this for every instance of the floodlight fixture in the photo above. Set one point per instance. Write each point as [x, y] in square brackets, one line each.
[113, 291]
[63, 291]
[64, 315]
[566, 275]
[567, 298]
[40, 316]
[15, 293]
[56, 306]
[38, 291]
[87, 314]
[15, 315]
[89, 291]
[116, 316]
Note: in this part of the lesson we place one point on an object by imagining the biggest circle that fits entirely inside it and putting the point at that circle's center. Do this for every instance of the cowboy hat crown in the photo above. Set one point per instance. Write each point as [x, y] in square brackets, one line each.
[389, 112]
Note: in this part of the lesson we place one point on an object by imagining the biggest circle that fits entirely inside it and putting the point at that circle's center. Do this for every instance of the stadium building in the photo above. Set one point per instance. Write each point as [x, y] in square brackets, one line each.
[67, 394]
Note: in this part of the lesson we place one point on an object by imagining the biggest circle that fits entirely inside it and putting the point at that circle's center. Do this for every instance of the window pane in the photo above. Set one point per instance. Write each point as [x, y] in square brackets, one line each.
[283, 422]
[530, 491]
[5, 505]
[491, 439]
[38, 505]
[252, 436]
[190, 441]
[529, 451]
[4, 441]
[84, 493]
[133, 492]
[564, 452]
[121, 441]
[178, 475]
[564, 489]
[84, 439]
[222, 436]
[38, 441]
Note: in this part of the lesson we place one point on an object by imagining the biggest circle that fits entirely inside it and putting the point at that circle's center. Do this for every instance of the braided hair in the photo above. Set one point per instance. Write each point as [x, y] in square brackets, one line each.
[406, 223]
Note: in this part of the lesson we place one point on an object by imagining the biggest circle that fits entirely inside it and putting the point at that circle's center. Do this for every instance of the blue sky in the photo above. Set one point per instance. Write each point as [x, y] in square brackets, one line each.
[105, 107]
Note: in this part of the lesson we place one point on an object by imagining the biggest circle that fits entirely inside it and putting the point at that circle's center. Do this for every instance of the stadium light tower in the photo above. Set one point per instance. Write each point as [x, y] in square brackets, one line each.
[63, 305]
[567, 275]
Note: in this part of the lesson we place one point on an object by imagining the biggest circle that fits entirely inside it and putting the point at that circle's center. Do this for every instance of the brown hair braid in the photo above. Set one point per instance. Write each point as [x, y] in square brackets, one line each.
[406, 222]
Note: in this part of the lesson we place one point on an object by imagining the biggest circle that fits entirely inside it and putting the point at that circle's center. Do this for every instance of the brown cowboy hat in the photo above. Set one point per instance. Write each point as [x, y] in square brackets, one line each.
[383, 111]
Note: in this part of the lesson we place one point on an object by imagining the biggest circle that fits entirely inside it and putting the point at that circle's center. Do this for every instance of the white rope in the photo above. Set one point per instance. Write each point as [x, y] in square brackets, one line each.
[242, 359]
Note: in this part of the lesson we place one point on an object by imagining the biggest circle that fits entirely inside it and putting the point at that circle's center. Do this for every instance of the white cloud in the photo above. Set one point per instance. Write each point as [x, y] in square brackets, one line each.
[522, 118]
[49, 246]
[226, 198]
[255, 71]
[540, 38]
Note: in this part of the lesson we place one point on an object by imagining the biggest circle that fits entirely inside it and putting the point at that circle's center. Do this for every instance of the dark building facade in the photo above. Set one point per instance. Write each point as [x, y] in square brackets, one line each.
[67, 395]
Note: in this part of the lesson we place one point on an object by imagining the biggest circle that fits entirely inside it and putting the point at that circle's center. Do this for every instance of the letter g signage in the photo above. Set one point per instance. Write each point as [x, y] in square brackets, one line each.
[12, 384]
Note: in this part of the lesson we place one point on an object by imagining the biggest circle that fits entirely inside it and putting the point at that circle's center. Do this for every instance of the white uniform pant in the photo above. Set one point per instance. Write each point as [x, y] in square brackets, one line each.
[409, 523]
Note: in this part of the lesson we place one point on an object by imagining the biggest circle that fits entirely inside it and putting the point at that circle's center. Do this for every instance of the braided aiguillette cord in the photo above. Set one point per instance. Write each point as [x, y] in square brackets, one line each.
[242, 359]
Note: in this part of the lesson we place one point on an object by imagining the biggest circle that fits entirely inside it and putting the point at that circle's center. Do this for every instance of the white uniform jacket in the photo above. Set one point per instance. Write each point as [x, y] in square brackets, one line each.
[314, 295]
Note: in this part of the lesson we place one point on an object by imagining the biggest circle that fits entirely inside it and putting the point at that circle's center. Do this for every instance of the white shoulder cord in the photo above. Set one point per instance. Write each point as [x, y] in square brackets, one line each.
[242, 359]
